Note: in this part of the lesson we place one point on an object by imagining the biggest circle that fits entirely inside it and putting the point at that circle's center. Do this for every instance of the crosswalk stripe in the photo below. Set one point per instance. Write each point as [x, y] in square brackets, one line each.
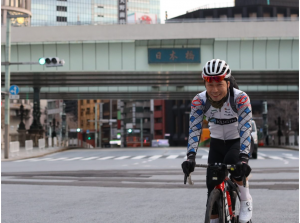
[121, 157]
[106, 158]
[204, 157]
[62, 158]
[275, 157]
[155, 157]
[260, 158]
[291, 157]
[24, 160]
[138, 157]
[75, 158]
[172, 157]
[34, 160]
[91, 158]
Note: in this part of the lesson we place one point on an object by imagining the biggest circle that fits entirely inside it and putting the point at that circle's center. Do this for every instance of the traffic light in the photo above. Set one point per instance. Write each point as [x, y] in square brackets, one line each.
[129, 130]
[89, 137]
[78, 130]
[51, 61]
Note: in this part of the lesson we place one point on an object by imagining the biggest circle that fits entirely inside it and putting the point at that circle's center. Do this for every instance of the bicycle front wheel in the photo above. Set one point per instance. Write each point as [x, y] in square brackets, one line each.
[215, 207]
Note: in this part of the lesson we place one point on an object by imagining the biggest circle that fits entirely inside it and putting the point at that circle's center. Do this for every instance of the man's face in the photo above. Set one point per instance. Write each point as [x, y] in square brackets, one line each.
[217, 90]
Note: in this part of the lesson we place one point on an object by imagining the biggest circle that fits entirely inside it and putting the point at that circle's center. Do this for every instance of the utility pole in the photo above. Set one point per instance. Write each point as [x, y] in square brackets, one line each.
[141, 126]
[100, 124]
[7, 84]
[96, 123]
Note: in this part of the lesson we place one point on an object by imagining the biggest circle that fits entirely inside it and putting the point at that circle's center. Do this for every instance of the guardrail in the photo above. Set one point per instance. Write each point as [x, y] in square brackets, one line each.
[49, 142]
[28, 145]
[41, 143]
[14, 147]
[73, 142]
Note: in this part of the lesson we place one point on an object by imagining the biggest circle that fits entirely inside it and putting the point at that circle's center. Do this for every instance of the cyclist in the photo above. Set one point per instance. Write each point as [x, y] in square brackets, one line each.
[229, 113]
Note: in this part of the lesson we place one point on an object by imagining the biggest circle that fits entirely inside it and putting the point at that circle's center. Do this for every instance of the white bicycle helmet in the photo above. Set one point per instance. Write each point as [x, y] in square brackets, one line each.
[216, 70]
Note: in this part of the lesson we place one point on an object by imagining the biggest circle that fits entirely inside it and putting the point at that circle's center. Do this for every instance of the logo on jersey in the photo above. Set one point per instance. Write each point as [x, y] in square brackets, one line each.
[197, 102]
[223, 121]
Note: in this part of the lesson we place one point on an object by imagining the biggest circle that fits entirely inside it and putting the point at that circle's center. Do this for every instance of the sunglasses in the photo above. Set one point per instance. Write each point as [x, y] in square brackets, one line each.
[214, 78]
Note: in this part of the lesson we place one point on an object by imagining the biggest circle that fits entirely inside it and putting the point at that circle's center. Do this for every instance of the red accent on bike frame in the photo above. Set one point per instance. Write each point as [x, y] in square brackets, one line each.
[229, 203]
[221, 186]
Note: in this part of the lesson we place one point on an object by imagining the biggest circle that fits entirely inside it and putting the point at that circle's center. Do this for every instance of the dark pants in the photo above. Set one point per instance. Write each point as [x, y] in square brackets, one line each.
[222, 152]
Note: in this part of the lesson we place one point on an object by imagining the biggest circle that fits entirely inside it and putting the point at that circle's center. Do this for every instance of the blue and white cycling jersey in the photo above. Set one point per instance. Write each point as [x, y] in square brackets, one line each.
[224, 123]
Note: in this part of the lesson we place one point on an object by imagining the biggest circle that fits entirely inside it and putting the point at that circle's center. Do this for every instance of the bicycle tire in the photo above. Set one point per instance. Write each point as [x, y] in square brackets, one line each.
[215, 197]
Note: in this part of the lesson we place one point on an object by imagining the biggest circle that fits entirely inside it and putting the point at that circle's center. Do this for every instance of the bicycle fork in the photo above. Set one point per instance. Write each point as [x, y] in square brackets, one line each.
[227, 201]
[228, 206]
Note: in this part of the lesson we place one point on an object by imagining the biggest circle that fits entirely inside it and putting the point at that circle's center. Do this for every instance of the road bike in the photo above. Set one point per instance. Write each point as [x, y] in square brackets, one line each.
[224, 200]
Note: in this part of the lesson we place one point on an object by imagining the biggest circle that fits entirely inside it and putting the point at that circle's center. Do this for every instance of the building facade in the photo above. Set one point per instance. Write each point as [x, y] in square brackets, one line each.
[16, 7]
[246, 9]
[86, 12]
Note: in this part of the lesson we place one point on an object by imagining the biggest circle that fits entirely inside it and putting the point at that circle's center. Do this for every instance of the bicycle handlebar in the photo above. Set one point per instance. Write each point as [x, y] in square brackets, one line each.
[229, 167]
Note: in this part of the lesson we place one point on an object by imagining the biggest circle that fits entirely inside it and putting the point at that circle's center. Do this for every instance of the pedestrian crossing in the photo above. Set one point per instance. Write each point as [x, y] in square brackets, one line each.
[153, 157]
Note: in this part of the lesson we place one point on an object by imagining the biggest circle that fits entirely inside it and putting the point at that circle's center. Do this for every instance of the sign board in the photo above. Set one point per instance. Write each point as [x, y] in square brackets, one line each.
[14, 90]
[160, 143]
[141, 18]
[173, 55]
[87, 131]
[122, 11]
[14, 96]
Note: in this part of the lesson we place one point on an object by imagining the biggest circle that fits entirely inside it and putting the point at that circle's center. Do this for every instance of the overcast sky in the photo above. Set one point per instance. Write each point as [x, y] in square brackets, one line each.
[179, 7]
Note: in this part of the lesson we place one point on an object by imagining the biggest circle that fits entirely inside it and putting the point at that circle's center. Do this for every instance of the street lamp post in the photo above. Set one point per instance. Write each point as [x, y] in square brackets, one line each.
[7, 80]
[7, 84]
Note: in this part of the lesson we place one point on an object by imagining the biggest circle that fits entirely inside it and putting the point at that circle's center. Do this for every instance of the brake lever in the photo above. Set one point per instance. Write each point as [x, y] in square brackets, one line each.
[244, 181]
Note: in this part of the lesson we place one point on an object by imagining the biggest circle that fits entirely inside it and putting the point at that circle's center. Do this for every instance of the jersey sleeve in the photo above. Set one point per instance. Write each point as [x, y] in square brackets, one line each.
[196, 119]
[244, 121]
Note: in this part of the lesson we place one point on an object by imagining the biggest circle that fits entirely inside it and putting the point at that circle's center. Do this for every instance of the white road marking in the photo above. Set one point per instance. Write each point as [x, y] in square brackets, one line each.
[276, 157]
[121, 157]
[91, 158]
[172, 157]
[58, 159]
[292, 158]
[261, 154]
[204, 157]
[24, 160]
[34, 160]
[260, 158]
[155, 157]
[106, 158]
[75, 158]
[138, 157]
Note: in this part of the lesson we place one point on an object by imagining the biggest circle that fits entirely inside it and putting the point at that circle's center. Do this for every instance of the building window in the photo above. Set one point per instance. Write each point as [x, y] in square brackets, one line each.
[61, 19]
[88, 101]
[61, 8]
[88, 111]
[95, 101]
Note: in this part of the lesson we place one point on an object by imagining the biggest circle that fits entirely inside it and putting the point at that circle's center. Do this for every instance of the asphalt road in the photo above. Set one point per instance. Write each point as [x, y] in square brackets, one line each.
[138, 185]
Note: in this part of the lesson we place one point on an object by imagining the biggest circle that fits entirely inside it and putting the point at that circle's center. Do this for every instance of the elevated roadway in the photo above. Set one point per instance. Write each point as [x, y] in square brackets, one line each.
[111, 61]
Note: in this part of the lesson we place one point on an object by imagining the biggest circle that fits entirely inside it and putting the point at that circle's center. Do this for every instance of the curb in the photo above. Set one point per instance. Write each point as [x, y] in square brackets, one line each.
[35, 156]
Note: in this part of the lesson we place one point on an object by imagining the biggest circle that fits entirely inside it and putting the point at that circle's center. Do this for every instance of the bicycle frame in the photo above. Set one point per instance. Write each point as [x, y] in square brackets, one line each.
[227, 202]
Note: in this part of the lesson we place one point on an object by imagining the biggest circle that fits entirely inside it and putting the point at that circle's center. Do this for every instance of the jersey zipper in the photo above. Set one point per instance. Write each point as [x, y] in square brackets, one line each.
[220, 109]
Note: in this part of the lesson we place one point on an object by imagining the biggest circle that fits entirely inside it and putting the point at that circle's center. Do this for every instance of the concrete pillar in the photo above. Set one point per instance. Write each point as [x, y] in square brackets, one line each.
[245, 12]
[288, 13]
[215, 13]
[4, 21]
[229, 13]
[260, 12]
[274, 12]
